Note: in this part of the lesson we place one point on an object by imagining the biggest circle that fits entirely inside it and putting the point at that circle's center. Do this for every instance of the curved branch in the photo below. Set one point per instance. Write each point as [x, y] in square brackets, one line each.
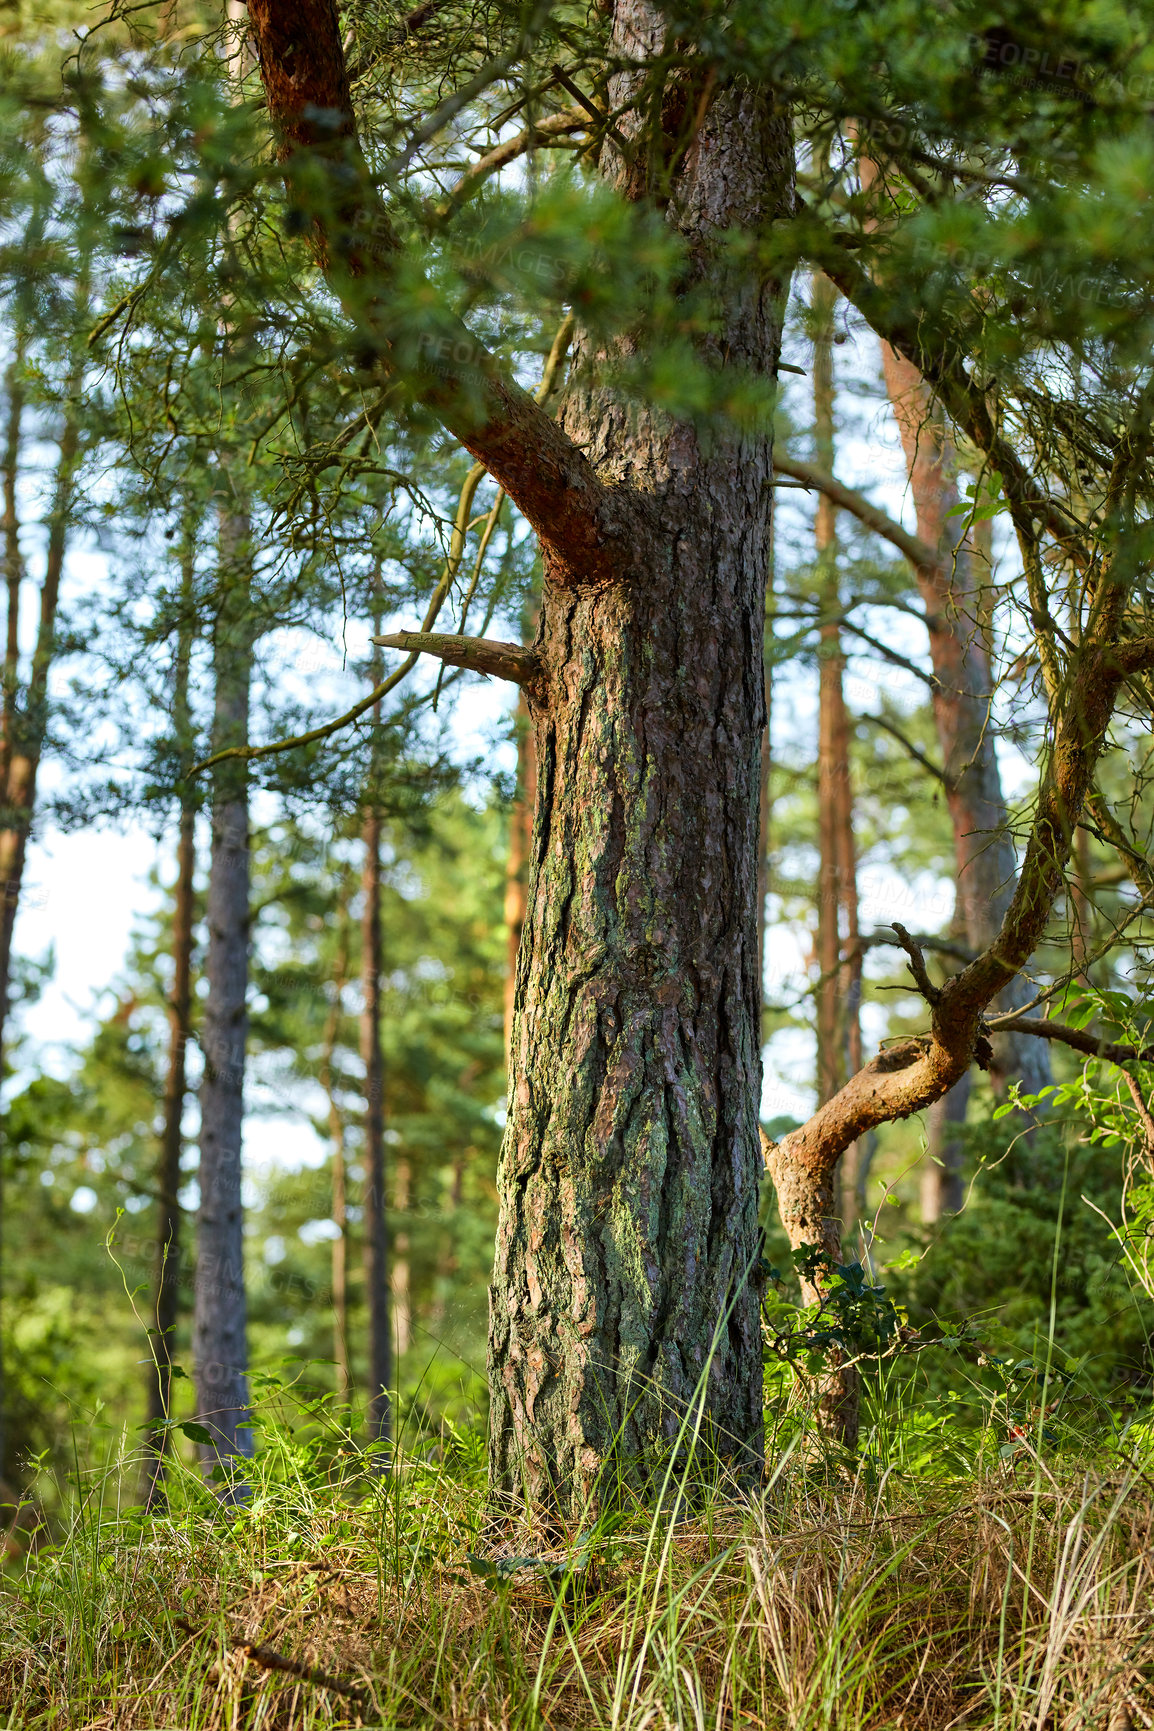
[913, 1074]
[486, 655]
[549, 479]
[908, 745]
[551, 128]
[871, 516]
[1091, 1044]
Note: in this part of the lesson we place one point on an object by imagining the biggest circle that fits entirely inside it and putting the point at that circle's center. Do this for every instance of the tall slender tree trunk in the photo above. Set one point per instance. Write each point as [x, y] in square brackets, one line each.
[375, 1217]
[340, 1213]
[839, 1396]
[831, 728]
[23, 734]
[626, 1291]
[765, 797]
[169, 1215]
[220, 1343]
[13, 553]
[400, 1285]
[983, 848]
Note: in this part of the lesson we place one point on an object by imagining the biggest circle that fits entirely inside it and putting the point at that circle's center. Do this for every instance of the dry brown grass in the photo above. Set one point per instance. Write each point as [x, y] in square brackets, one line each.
[815, 1607]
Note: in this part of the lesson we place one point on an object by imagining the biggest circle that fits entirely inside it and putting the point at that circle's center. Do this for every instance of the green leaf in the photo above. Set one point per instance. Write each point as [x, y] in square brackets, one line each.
[195, 1432]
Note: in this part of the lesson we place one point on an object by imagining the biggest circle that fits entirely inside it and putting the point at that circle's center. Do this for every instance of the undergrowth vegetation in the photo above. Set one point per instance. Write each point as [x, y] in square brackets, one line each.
[991, 1573]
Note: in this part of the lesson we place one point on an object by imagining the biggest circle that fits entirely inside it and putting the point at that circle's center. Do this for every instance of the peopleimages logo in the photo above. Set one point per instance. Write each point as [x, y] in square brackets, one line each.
[1006, 55]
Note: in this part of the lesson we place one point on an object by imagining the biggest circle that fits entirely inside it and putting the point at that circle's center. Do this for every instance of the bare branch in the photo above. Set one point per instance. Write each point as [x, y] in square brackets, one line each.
[477, 654]
[908, 745]
[812, 476]
[1079, 1039]
[922, 981]
[552, 128]
[891, 655]
[910, 1076]
[1144, 1114]
[1110, 831]
[924, 941]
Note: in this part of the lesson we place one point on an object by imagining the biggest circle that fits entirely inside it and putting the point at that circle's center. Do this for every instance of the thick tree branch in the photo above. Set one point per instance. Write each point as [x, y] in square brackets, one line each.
[550, 480]
[871, 516]
[1079, 1039]
[476, 654]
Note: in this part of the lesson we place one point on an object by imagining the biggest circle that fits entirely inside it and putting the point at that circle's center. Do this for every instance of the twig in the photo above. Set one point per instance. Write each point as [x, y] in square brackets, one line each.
[1144, 1113]
[914, 751]
[271, 1660]
[925, 985]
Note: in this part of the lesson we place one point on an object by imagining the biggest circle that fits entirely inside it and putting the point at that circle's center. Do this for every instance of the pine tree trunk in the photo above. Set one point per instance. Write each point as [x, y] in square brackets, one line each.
[13, 554]
[942, 1189]
[831, 715]
[626, 1289]
[520, 836]
[168, 1240]
[401, 1283]
[376, 1227]
[220, 1326]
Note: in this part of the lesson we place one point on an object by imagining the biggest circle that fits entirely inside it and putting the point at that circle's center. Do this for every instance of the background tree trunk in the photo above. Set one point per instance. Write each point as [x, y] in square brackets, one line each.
[832, 732]
[765, 803]
[840, 1387]
[340, 1257]
[983, 848]
[220, 1326]
[625, 1277]
[376, 1225]
[400, 1284]
[168, 1224]
[23, 735]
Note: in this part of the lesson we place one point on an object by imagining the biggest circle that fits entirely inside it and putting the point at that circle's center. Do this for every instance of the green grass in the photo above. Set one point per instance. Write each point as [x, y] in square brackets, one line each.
[899, 1592]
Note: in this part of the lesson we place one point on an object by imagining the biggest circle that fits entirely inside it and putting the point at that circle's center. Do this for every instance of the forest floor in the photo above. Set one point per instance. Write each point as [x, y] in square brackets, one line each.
[1023, 1597]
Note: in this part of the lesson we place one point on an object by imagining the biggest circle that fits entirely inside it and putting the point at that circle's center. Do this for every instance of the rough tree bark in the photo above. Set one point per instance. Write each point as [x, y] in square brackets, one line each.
[220, 1346]
[168, 1177]
[624, 1282]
